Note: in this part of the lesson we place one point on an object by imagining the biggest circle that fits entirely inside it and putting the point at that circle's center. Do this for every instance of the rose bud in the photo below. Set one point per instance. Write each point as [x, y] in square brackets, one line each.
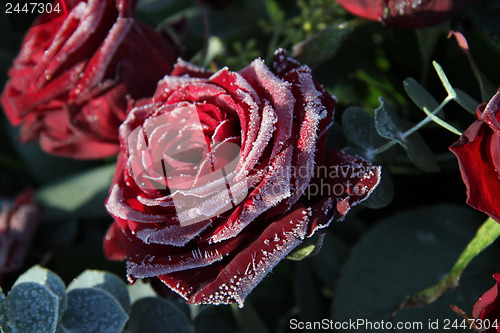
[17, 227]
[71, 82]
[478, 154]
[487, 309]
[406, 13]
[221, 175]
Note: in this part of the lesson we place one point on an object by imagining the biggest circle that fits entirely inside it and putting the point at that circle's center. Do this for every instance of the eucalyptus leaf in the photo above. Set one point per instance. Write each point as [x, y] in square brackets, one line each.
[419, 95]
[467, 102]
[405, 253]
[105, 281]
[213, 319]
[327, 263]
[387, 122]
[323, 45]
[359, 128]
[420, 153]
[307, 294]
[384, 193]
[93, 310]
[32, 307]
[444, 80]
[82, 195]
[248, 319]
[153, 314]
[48, 279]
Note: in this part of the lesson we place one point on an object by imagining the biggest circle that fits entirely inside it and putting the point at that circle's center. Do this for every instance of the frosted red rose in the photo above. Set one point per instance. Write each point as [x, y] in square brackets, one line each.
[218, 178]
[406, 13]
[70, 83]
[487, 308]
[478, 154]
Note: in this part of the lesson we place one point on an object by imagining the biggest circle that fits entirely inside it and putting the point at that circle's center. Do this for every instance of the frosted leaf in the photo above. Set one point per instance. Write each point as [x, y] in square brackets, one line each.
[32, 307]
[105, 281]
[93, 310]
[151, 313]
[48, 279]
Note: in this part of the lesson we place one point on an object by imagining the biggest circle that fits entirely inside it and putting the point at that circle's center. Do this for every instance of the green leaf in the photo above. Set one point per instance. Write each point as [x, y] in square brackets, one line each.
[441, 122]
[32, 307]
[326, 264]
[82, 195]
[485, 236]
[213, 319]
[359, 128]
[301, 252]
[48, 279]
[420, 153]
[467, 102]
[442, 76]
[93, 310]
[153, 314]
[323, 45]
[419, 95]
[387, 122]
[248, 319]
[105, 281]
[405, 253]
[307, 294]
[383, 194]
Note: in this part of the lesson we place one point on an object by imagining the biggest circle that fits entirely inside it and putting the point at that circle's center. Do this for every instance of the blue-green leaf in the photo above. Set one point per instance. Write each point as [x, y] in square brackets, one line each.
[93, 310]
[387, 122]
[49, 280]
[32, 307]
[153, 314]
[419, 95]
[420, 153]
[105, 281]
[465, 101]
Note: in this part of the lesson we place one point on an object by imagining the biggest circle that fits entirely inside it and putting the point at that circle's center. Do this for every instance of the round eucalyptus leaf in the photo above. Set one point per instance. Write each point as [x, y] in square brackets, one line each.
[105, 281]
[50, 280]
[32, 307]
[93, 310]
[153, 314]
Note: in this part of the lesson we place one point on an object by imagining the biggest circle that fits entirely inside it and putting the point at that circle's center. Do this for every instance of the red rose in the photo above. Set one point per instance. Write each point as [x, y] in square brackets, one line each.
[406, 13]
[70, 83]
[478, 154]
[487, 308]
[221, 175]
[17, 227]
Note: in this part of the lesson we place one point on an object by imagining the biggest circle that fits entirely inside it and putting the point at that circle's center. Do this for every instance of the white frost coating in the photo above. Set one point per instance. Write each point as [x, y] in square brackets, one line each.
[117, 207]
[172, 235]
[313, 108]
[196, 259]
[282, 98]
[239, 286]
[274, 189]
[266, 131]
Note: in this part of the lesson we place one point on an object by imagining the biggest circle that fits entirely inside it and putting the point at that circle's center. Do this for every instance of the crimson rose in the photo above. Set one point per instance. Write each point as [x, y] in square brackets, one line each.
[406, 13]
[17, 227]
[70, 83]
[478, 154]
[487, 308]
[221, 175]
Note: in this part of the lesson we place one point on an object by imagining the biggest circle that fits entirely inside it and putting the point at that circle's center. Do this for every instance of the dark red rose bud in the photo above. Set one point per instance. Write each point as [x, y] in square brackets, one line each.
[221, 175]
[70, 84]
[406, 13]
[17, 227]
[478, 154]
[487, 309]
